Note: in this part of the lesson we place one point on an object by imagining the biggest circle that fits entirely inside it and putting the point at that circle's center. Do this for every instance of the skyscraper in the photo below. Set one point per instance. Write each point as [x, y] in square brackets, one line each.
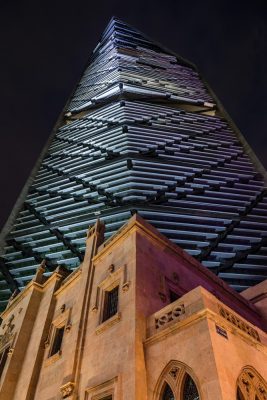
[140, 305]
[142, 133]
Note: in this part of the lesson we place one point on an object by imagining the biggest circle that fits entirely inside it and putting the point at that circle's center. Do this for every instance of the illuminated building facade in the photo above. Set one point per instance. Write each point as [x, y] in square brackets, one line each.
[146, 307]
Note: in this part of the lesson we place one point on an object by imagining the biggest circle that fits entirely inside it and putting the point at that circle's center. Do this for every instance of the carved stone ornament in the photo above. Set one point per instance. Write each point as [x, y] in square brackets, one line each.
[111, 268]
[125, 286]
[252, 386]
[10, 351]
[67, 390]
[163, 297]
[239, 323]
[169, 315]
[68, 327]
[174, 372]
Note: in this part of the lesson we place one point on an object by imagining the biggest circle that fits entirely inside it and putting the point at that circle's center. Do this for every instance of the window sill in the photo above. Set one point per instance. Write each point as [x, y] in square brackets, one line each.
[108, 323]
[53, 358]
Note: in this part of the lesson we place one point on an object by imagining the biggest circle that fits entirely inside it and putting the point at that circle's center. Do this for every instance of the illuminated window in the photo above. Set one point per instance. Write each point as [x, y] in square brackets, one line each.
[110, 303]
[190, 391]
[57, 342]
[3, 359]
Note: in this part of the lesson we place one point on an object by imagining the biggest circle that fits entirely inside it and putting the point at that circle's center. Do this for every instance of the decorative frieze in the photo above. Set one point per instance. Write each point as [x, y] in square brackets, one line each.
[239, 323]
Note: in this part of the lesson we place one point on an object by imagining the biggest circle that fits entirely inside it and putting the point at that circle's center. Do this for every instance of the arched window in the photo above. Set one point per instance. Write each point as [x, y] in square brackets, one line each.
[250, 385]
[177, 382]
[239, 394]
[190, 391]
[167, 393]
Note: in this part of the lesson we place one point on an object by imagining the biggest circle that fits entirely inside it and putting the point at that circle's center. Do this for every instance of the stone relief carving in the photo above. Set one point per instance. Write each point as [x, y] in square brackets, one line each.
[169, 315]
[174, 372]
[239, 323]
[67, 390]
[251, 385]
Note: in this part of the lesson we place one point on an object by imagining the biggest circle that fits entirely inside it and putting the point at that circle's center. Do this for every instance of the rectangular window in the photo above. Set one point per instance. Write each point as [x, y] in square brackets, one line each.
[3, 359]
[57, 342]
[110, 303]
[173, 296]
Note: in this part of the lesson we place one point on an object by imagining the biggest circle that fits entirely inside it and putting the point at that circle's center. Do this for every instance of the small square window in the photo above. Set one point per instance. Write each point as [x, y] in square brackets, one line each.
[57, 342]
[110, 303]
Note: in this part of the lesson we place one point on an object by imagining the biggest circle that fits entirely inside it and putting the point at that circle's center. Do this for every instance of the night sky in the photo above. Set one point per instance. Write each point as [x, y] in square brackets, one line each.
[45, 46]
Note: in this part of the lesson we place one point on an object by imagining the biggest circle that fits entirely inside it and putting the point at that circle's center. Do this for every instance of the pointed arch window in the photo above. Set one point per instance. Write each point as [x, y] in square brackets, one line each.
[177, 382]
[250, 385]
[190, 391]
[167, 393]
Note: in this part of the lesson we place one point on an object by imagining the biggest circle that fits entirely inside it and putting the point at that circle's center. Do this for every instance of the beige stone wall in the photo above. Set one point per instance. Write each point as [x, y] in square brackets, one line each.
[148, 341]
[213, 360]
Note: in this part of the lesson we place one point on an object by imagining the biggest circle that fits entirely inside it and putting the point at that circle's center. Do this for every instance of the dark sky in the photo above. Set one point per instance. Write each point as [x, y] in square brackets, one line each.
[45, 46]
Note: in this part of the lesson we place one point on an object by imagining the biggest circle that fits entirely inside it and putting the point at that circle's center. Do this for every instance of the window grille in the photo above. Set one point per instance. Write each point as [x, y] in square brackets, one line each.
[190, 390]
[110, 303]
[168, 394]
[58, 337]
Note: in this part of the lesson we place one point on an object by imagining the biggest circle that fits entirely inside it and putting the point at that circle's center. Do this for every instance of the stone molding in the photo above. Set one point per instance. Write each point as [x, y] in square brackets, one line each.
[108, 323]
[107, 388]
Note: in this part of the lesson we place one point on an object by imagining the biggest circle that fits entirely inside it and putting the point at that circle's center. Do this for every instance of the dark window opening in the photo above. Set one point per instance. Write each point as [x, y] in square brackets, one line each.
[190, 391]
[3, 359]
[173, 296]
[168, 394]
[56, 347]
[110, 303]
[240, 395]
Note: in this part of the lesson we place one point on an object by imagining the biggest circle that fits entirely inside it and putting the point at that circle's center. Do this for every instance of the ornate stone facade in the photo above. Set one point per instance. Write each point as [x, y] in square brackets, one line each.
[105, 331]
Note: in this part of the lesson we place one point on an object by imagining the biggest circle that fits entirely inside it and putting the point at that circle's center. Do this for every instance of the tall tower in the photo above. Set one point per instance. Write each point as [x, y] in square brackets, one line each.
[135, 306]
[143, 133]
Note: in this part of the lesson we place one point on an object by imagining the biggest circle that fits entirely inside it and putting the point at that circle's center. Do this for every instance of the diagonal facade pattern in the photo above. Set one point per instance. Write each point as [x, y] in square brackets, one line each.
[142, 133]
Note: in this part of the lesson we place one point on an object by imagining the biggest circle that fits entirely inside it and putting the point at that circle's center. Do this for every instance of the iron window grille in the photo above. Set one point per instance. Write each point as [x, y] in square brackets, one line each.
[190, 391]
[168, 394]
[110, 303]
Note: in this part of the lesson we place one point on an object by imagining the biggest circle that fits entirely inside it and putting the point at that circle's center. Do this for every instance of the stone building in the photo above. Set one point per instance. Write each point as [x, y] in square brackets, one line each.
[138, 319]
[165, 296]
